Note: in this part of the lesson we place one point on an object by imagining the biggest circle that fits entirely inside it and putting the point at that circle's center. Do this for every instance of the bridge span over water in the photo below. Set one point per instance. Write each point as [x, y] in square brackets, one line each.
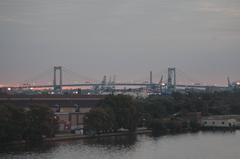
[170, 84]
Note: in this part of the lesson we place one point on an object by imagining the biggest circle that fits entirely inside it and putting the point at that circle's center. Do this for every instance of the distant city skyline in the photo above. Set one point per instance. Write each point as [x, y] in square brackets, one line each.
[126, 38]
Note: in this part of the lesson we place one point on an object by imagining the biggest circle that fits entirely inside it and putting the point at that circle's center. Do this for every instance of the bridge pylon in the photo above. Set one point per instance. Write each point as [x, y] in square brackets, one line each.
[57, 86]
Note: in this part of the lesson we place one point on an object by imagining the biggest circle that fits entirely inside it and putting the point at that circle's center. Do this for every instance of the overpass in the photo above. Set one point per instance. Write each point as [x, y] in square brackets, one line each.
[52, 100]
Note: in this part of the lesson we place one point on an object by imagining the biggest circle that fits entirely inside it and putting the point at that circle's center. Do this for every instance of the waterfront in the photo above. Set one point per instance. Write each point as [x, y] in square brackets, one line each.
[201, 145]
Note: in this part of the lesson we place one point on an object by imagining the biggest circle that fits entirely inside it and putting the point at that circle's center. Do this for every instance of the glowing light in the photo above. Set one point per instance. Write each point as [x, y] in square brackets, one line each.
[238, 83]
[9, 89]
[75, 92]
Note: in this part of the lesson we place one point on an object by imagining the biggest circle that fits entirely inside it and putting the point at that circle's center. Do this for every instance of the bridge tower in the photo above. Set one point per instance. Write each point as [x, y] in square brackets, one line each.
[57, 86]
[171, 82]
[150, 79]
[150, 86]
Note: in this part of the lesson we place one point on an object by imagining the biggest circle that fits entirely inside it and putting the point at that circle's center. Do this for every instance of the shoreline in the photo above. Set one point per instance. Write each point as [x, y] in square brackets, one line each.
[78, 137]
[70, 137]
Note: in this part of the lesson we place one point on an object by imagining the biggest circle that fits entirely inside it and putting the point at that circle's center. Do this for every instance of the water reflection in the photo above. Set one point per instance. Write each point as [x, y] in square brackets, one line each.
[201, 145]
[119, 142]
[16, 149]
[123, 141]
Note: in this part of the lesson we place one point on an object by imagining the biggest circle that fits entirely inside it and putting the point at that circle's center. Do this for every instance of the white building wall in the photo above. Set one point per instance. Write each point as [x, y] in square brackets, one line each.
[218, 123]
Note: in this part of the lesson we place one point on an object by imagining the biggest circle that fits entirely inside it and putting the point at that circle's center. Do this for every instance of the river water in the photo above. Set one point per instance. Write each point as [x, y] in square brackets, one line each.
[201, 145]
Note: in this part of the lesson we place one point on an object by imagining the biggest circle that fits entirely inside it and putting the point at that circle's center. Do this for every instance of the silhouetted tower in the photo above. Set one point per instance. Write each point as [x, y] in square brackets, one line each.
[57, 86]
[151, 79]
[161, 84]
[229, 82]
[171, 82]
[104, 81]
[150, 86]
[113, 81]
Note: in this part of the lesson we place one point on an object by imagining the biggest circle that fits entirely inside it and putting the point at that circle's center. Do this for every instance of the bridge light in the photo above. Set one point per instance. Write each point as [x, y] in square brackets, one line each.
[9, 89]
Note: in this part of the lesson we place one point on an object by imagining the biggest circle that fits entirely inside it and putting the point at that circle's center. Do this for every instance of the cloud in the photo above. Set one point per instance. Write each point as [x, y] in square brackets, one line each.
[8, 19]
[233, 11]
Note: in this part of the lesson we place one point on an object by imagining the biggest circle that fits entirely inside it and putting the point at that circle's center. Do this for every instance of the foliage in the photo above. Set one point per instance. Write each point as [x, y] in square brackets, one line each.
[155, 109]
[99, 119]
[158, 106]
[12, 121]
[194, 125]
[126, 112]
[30, 124]
[120, 110]
[157, 126]
[40, 122]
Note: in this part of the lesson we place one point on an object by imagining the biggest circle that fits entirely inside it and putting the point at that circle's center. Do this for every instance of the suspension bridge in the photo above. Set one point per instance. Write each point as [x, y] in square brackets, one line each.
[169, 85]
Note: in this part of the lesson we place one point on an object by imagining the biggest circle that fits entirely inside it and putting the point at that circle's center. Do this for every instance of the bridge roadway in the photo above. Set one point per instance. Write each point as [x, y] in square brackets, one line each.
[122, 84]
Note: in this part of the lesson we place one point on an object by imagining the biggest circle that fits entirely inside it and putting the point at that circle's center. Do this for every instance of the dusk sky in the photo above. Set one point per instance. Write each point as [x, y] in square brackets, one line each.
[127, 38]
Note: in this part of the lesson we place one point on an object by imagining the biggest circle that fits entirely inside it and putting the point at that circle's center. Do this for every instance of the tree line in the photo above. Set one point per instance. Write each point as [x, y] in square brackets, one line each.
[113, 113]
[29, 124]
[159, 113]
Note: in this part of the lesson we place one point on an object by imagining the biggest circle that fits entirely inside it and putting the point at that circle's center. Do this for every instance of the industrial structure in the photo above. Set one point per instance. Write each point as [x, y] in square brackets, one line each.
[171, 82]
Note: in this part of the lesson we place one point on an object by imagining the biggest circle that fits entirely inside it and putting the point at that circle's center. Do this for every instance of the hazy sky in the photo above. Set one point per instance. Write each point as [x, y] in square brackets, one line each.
[123, 37]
